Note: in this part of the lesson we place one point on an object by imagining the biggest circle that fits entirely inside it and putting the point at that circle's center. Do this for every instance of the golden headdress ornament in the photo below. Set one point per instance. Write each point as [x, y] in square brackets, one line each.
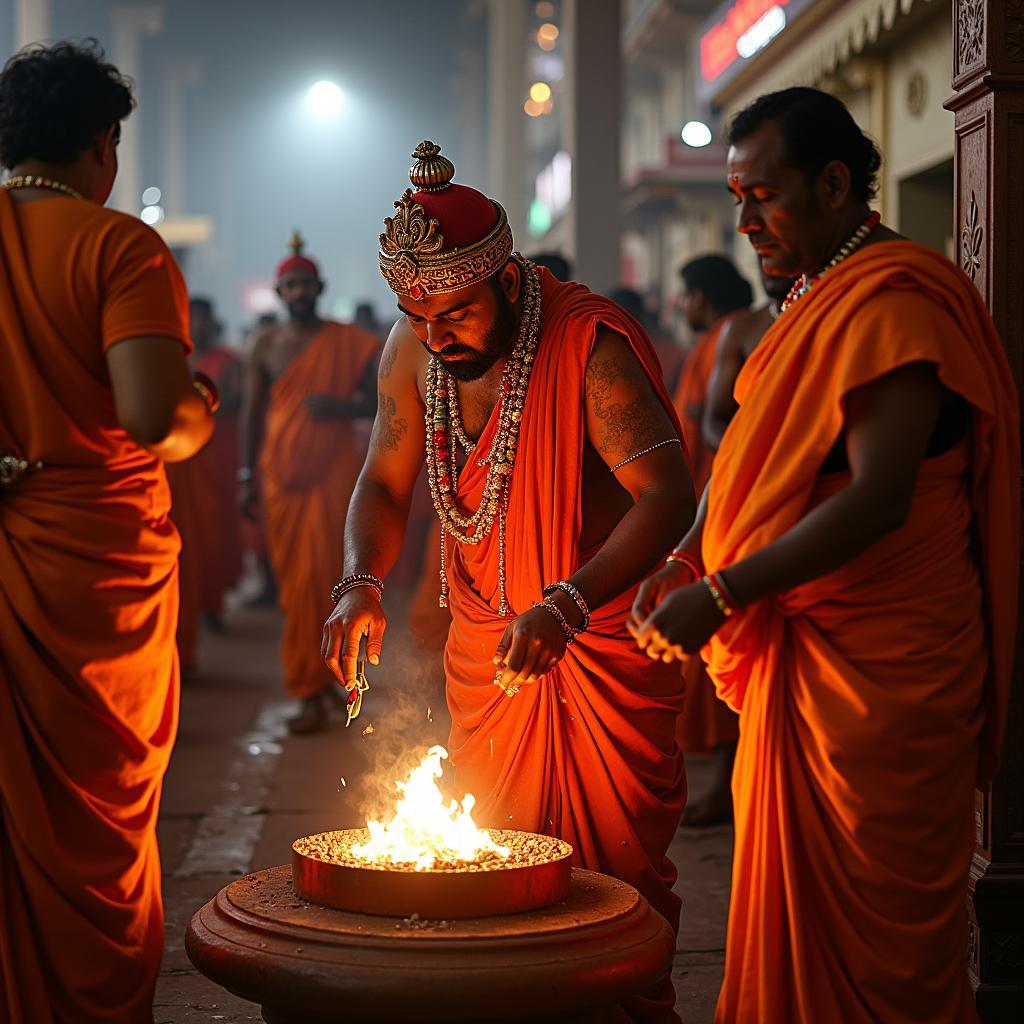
[413, 257]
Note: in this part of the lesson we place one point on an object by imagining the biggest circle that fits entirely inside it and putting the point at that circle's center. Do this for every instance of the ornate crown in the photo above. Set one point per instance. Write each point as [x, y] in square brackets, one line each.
[412, 255]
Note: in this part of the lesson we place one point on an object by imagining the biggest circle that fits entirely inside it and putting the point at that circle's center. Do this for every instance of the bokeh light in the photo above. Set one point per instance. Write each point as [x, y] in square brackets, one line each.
[696, 134]
[325, 99]
[540, 92]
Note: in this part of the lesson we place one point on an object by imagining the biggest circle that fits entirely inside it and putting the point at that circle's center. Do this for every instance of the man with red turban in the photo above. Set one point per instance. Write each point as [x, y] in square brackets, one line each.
[309, 390]
[557, 472]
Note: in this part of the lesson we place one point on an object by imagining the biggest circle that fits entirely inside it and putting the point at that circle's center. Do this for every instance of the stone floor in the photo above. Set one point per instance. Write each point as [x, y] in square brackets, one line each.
[240, 789]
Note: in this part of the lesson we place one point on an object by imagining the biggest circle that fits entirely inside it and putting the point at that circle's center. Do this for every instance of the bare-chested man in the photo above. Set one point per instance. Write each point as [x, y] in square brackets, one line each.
[310, 393]
[572, 482]
[736, 343]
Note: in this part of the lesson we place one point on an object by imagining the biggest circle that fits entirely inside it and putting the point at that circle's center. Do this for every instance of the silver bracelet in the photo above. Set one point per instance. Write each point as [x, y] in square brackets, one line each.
[552, 609]
[577, 598]
[359, 579]
[646, 451]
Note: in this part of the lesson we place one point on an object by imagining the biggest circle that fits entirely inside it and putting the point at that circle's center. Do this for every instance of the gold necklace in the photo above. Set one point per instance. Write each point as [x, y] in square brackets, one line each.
[34, 181]
[444, 427]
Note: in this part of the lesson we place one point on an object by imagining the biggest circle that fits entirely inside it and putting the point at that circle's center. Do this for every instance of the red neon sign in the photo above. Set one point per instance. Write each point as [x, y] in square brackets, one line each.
[718, 46]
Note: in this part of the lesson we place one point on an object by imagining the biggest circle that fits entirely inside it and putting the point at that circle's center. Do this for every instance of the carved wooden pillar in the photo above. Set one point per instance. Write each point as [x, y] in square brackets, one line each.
[988, 80]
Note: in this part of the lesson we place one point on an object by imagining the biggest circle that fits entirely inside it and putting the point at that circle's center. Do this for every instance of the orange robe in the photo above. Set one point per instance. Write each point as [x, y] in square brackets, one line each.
[88, 606]
[706, 722]
[589, 754]
[872, 699]
[205, 512]
[308, 470]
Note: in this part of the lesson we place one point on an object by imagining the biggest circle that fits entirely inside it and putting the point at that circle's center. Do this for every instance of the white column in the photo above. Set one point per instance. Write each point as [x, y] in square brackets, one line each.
[506, 174]
[593, 72]
[31, 22]
[181, 73]
[129, 24]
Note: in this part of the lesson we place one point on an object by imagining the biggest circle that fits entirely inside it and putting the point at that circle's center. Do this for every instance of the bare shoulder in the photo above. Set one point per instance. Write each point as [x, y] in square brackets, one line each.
[403, 360]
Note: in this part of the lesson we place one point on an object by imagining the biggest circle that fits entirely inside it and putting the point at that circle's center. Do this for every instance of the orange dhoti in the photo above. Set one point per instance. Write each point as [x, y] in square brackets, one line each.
[88, 608]
[589, 753]
[308, 471]
[872, 699]
[706, 722]
[206, 515]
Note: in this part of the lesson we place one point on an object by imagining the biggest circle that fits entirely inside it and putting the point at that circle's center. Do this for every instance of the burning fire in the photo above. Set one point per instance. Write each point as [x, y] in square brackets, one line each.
[424, 831]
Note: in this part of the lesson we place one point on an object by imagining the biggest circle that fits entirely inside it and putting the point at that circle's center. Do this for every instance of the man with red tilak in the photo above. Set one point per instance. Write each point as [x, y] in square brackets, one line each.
[556, 470]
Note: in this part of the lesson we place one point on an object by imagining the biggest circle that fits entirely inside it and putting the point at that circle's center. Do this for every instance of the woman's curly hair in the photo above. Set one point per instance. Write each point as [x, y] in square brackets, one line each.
[55, 100]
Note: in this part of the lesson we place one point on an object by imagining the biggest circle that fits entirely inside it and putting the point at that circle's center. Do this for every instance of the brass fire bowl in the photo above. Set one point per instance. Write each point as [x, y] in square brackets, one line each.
[527, 881]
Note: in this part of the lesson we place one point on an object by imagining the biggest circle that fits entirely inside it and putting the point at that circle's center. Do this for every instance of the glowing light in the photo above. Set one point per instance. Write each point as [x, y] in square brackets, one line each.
[547, 36]
[533, 108]
[424, 830]
[748, 26]
[696, 134]
[545, 9]
[151, 196]
[152, 215]
[540, 92]
[325, 99]
[762, 32]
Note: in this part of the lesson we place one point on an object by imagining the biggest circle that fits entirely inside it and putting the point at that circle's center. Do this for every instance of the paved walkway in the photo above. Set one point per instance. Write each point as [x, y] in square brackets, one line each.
[240, 790]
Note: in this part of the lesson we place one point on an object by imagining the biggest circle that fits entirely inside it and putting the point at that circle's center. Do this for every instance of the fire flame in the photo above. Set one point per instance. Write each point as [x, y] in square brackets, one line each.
[424, 831]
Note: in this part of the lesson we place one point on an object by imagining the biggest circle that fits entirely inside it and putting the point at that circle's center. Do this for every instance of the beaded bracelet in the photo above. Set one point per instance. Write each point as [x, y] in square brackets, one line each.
[552, 609]
[718, 597]
[577, 598]
[685, 559]
[359, 579]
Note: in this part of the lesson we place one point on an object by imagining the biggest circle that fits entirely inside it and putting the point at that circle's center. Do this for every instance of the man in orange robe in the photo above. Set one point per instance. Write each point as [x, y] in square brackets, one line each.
[714, 293]
[203, 491]
[96, 391]
[310, 394]
[862, 526]
[573, 740]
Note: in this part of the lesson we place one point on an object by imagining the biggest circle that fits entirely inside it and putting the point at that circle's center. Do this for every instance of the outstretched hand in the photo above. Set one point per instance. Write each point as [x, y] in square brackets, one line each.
[358, 614]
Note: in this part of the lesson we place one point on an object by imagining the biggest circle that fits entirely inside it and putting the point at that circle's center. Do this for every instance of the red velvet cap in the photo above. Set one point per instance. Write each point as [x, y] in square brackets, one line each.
[464, 215]
[443, 236]
[297, 261]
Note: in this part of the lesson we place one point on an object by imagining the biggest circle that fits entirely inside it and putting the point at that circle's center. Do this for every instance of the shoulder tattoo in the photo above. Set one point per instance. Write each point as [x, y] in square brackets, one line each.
[628, 415]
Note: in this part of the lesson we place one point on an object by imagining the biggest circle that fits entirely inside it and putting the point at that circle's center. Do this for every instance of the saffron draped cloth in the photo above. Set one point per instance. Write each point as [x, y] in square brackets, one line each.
[308, 470]
[706, 723]
[589, 753]
[205, 511]
[88, 607]
[873, 698]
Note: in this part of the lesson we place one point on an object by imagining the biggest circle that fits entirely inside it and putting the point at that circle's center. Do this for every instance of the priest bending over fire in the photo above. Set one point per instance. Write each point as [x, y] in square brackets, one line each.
[556, 468]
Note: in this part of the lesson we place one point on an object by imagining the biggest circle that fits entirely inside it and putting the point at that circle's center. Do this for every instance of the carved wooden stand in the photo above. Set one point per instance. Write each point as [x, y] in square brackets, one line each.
[307, 964]
[988, 79]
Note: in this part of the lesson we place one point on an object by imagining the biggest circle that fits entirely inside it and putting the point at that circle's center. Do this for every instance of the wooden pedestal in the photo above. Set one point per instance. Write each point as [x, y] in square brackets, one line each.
[311, 964]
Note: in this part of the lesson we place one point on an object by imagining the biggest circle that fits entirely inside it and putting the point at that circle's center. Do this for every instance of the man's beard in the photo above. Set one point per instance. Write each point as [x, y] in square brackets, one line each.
[301, 309]
[498, 340]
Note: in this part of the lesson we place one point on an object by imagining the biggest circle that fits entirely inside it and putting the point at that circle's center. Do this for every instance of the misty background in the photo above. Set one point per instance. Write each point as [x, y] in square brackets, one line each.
[225, 130]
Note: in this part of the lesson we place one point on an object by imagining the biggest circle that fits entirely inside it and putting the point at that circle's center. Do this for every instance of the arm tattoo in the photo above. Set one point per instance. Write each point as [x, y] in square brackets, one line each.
[629, 415]
[387, 361]
[388, 428]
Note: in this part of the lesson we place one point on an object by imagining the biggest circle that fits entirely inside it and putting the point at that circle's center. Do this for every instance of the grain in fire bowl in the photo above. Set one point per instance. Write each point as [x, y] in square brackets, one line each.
[535, 875]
